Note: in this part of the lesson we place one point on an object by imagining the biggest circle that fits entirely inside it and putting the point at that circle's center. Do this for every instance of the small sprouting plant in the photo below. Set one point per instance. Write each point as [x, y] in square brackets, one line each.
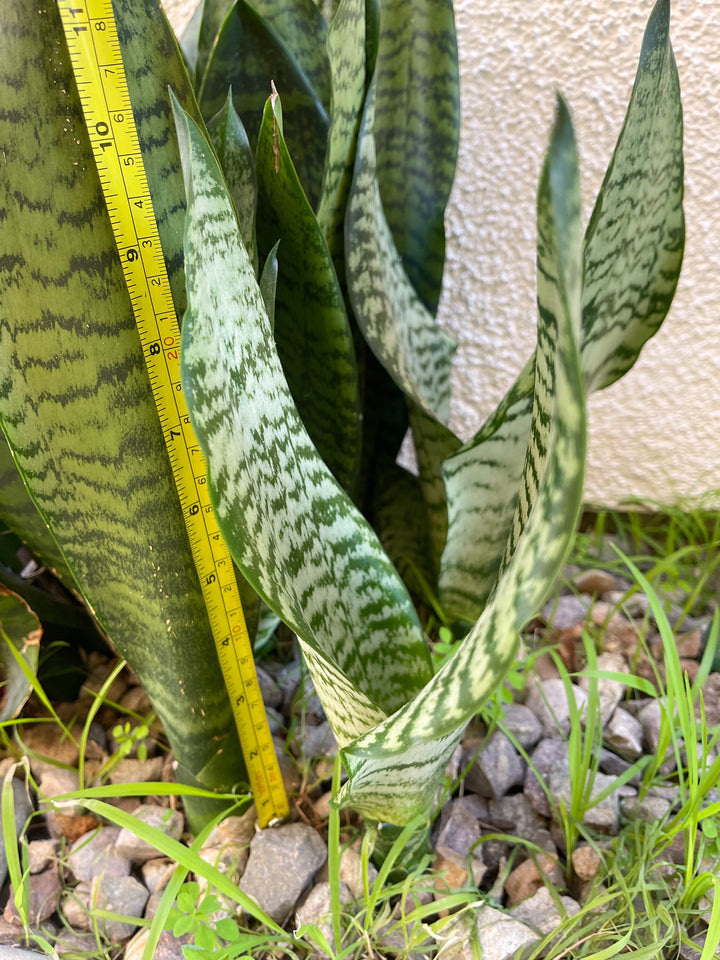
[197, 917]
[128, 737]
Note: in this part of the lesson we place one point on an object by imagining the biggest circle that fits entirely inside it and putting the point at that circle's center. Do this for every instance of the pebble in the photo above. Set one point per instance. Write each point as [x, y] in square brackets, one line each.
[527, 878]
[95, 854]
[610, 692]
[43, 897]
[170, 822]
[41, 853]
[522, 724]
[497, 766]
[540, 911]
[624, 734]
[548, 701]
[123, 895]
[282, 862]
[595, 582]
[316, 909]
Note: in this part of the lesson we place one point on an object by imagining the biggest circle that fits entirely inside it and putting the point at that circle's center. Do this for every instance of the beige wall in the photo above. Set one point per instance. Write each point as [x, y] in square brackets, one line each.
[656, 433]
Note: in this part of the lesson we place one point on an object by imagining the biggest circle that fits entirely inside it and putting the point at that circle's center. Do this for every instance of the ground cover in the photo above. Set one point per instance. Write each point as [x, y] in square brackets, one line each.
[574, 821]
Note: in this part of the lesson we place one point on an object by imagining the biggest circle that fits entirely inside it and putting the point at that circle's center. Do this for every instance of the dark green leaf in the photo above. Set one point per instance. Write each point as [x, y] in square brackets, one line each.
[312, 331]
[397, 327]
[75, 400]
[292, 531]
[236, 159]
[249, 57]
[417, 126]
[303, 30]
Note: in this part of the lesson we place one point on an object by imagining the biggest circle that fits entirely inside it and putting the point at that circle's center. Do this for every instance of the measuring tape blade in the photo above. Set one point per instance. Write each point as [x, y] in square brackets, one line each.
[92, 39]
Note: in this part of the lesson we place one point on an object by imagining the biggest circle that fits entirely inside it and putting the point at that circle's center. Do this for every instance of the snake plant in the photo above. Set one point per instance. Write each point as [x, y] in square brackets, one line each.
[302, 225]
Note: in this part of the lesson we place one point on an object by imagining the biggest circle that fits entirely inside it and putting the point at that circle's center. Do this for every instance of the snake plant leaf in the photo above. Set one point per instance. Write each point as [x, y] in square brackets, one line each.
[268, 284]
[312, 330]
[20, 635]
[21, 515]
[292, 531]
[434, 443]
[213, 16]
[248, 56]
[403, 757]
[635, 239]
[397, 327]
[75, 398]
[303, 29]
[417, 128]
[632, 255]
[190, 39]
[236, 159]
[346, 52]
[482, 480]
[399, 519]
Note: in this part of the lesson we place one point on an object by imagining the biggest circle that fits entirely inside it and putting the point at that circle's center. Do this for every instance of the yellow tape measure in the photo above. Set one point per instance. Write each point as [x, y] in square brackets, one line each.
[96, 57]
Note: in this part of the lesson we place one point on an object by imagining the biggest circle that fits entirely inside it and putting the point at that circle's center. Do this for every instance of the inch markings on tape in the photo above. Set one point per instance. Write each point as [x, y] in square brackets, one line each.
[96, 56]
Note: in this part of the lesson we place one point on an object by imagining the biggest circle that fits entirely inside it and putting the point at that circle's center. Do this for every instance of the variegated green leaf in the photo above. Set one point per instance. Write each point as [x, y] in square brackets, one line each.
[236, 159]
[249, 57]
[75, 399]
[417, 126]
[190, 39]
[20, 630]
[434, 443]
[397, 327]
[213, 15]
[268, 284]
[399, 519]
[632, 254]
[20, 514]
[303, 30]
[292, 531]
[346, 51]
[403, 757]
[312, 331]
[636, 235]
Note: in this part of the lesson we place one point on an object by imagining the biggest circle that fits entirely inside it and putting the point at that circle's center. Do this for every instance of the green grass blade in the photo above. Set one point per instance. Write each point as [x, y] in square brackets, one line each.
[292, 531]
[312, 329]
[396, 326]
[20, 634]
[417, 126]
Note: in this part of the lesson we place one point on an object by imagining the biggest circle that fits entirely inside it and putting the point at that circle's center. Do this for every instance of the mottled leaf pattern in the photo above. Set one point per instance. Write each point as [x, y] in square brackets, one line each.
[632, 256]
[482, 480]
[303, 30]
[75, 398]
[214, 13]
[346, 51]
[635, 238]
[412, 746]
[291, 529]
[400, 520]
[397, 327]
[247, 57]
[434, 443]
[312, 331]
[20, 514]
[417, 126]
[236, 159]
[21, 630]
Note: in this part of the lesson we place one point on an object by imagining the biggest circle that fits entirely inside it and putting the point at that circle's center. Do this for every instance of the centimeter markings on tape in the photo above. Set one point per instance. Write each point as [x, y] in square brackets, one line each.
[91, 34]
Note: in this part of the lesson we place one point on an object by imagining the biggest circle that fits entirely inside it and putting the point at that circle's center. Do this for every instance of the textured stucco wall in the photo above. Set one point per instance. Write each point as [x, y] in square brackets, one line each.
[655, 433]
